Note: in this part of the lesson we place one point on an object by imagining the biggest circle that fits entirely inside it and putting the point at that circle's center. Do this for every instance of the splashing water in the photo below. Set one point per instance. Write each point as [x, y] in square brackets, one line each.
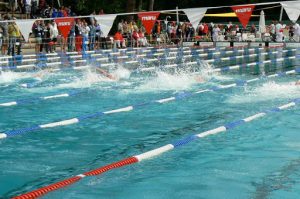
[8, 77]
[267, 91]
[121, 73]
[165, 81]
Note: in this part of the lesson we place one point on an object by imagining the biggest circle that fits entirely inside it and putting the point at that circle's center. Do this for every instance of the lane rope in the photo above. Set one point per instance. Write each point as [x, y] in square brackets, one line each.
[155, 152]
[179, 96]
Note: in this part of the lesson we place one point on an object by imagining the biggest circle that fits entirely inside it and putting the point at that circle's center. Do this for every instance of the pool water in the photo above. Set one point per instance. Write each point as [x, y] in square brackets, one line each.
[257, 160]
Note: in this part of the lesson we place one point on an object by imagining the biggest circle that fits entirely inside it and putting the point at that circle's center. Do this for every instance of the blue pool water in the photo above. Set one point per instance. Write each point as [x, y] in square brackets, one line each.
[256, 160]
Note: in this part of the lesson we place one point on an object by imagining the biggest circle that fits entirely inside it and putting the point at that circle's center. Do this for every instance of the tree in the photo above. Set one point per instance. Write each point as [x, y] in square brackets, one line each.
[151, 5]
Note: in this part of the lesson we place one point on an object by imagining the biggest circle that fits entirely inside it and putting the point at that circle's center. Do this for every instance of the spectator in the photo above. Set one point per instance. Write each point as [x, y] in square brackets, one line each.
[53, 35]
[215, 33]
[101, 12]
[38, 32]
[92, 35]
[4, 28]
[119, 40]
[142, 39]
[296, 28]
[135, 38]
[85, 35]
[71, 39]
[14, 39]
[78, 35]
[253, 29]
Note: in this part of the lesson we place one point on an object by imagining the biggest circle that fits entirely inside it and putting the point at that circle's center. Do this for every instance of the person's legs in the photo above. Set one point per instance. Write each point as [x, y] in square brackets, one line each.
[11, 46]
[92, 43]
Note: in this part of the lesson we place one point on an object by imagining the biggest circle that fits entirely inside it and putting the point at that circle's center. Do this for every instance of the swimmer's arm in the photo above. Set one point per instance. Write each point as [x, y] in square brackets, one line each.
[106, 74]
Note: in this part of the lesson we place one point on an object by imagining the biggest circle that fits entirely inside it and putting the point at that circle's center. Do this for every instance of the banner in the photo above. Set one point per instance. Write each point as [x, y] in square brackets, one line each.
[195, 15]
[106, 22]
[148, 19]
[243, 13]
[292, 9]
[25, 27]
[64, 25]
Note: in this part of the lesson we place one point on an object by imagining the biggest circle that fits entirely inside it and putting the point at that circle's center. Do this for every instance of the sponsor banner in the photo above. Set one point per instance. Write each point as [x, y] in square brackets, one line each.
[148, 20]
[64, 25]
[243, 13]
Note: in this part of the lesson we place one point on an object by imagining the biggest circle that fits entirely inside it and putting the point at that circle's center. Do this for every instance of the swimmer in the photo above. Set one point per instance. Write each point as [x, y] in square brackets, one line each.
[39, 76]
[106, 74]
[297, 83]
[199, 79]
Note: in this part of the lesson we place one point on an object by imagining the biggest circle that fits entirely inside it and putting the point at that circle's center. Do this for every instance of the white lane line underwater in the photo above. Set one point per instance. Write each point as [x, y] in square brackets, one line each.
[179, 96]
[155, 152]
[73, 93]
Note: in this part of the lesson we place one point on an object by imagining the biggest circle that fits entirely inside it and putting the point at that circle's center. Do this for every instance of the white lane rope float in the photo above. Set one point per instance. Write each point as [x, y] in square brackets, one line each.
[155, 152]
[180, 96]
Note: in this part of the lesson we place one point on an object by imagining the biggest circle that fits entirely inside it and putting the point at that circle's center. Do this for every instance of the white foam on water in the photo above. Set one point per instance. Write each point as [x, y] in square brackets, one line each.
[87, 80]
[267, 91]
[207, 70]
[9, 76]
[165, 81]
[121, 73]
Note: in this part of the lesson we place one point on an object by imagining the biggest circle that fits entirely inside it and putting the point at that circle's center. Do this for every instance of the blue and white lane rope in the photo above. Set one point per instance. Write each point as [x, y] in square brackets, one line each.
[35, 99]
[56, 56]
[71, 62]
[224, 69]
[72, 59]
[164, 59]
[36, 57]
[31, 85]
[154, 152]
[180, 96]
[232, 58]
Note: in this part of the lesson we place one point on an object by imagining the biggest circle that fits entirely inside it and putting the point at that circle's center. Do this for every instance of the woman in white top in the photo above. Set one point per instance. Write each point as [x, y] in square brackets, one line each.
[85, 35]
[216, 31]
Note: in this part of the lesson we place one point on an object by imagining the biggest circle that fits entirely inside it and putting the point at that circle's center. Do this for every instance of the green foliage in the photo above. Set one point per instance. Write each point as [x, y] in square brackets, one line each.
[120, 6]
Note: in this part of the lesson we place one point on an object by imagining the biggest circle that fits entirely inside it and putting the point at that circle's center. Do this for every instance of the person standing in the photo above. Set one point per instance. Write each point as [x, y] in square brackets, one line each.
[78, 36]
[38, 32]
[4, 27]
[71, 39]
[296, 28]
[85, 35]
[14, 39]
[53, 35]
[92, 35]
[215, 33]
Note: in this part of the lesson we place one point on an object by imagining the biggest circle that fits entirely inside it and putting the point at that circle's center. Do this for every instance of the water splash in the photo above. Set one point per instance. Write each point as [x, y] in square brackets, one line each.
[9, 76]
[268, 91]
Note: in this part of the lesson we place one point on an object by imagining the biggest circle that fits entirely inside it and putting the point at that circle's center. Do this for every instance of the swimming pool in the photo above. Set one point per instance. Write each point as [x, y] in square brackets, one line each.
[258, 159]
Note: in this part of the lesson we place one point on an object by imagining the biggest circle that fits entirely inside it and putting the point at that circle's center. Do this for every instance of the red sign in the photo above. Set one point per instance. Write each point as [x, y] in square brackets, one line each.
[148, 19]
[243, 13]
[64, 25]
